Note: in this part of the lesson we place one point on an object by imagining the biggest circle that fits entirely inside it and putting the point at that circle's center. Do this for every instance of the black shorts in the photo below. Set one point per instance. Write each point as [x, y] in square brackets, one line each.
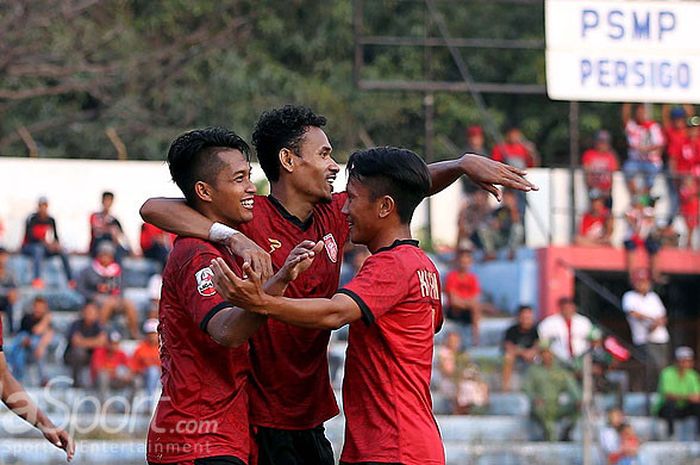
[284, 447]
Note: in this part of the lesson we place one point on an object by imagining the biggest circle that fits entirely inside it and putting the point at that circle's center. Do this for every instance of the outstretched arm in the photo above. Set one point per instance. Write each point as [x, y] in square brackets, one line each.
[175, 216]
[486, 173]
[17, 400]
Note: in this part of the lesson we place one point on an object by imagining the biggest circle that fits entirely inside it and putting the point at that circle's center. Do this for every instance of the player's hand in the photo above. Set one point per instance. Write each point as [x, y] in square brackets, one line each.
[299, 260]
[245, 293]
[60, 439]
[488, 174]
[252, 254]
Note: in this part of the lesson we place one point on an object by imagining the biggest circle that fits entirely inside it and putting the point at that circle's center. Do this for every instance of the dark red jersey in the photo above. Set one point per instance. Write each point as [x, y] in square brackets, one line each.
[1, 339]
[203, 410]
[386, 389]
[290, 386]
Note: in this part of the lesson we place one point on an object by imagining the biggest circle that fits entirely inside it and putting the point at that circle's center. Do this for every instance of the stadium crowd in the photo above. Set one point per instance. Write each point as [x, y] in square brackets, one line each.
[541, 359]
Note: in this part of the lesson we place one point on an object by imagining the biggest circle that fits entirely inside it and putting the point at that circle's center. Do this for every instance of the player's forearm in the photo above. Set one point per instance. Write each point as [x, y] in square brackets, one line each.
[175, 216]
[444, 173]
[234, 326]
[308, 313]
[16, 399]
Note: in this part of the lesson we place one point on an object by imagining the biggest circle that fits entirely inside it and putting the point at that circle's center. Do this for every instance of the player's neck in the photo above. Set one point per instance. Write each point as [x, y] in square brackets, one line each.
[292, 200]
[388, 236]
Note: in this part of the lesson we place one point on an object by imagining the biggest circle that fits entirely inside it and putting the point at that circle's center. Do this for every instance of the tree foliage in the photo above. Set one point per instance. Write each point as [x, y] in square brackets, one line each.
[71, 69]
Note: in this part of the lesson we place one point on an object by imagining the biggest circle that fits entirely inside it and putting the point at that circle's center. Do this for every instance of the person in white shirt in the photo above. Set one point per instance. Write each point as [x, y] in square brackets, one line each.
[646, 315]
[566, 331]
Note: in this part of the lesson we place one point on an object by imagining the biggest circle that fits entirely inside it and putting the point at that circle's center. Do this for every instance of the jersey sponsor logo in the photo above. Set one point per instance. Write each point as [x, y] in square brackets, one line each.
[428, 284]
[274, 244]
[205, 282]
[331, 247]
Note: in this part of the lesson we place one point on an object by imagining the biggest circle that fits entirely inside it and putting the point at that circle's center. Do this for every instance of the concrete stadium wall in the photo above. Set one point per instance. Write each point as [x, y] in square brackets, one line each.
[74, 188]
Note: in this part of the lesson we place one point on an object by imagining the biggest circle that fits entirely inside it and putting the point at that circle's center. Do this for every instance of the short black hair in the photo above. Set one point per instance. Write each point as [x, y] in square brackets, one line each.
[522, 308]
[106, 194]
[192, 156]
[397, 172]
[281, 128]
[3, 251]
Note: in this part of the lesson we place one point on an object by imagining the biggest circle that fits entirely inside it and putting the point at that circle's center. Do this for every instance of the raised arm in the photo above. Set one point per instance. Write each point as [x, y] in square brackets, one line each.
[486, 173]
[175, 216]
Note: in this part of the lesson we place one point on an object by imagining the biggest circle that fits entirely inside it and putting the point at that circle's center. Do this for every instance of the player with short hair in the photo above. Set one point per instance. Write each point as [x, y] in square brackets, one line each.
[393, 308]
[290, 390]
[202, 416]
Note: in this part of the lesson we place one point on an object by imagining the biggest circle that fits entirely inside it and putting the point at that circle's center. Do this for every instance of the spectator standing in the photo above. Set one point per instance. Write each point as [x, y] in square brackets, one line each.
[156, 244]
[84, 336]
[505, 229]
[475, 144]
[679, 390]
[463, 294]
[553, 392]
[645, 142]
[145, 363]
[642, 233]
[680, 155]
[8, 290]
[33, 341]
[596, 225]
[474, 218]
[689, 195]
[599, 164]
[101, 283]
[41, 241]
[515, 150]
[110, 367]
[646, 315]
[104, 227]
[519, 344]
[566, 331]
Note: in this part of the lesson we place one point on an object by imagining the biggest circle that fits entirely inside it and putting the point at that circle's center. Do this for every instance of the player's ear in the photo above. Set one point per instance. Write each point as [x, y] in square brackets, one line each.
[386, 206]
[203, 191]
[286, 160]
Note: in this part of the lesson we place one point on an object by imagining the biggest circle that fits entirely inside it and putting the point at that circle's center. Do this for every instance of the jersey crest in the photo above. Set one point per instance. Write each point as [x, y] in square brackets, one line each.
[331, 247]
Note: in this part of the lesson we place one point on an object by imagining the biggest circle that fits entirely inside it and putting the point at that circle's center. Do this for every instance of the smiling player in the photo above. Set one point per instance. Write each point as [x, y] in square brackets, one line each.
[393, 308]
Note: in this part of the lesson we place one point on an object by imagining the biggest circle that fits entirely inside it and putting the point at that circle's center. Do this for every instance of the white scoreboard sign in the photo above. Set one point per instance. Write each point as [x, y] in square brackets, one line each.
[617, 51]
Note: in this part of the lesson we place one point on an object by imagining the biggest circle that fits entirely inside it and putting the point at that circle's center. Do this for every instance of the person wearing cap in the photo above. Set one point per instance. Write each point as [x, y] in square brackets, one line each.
[553, 392]
[645, 142]
[566, 331]
[110, 367]
[84, 336]
[679, 390]
[145, 363]
[599, 162]
[101, 282]
[41, 241]
[646, 315]
[596, 225]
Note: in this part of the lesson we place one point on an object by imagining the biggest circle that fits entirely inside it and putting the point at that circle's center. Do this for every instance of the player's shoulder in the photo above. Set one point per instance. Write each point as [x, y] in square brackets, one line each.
[186, 249]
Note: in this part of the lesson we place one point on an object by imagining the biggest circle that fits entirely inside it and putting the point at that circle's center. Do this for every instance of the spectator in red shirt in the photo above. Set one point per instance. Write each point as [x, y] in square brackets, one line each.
[110, 367]
[156, 244]
[515, 150]
[679, 150]
[145, 363]
[41, 241]
[463, 292]
[596, 225]
[645, 142]
[599, 163]
[689, 194]
[106, 228]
